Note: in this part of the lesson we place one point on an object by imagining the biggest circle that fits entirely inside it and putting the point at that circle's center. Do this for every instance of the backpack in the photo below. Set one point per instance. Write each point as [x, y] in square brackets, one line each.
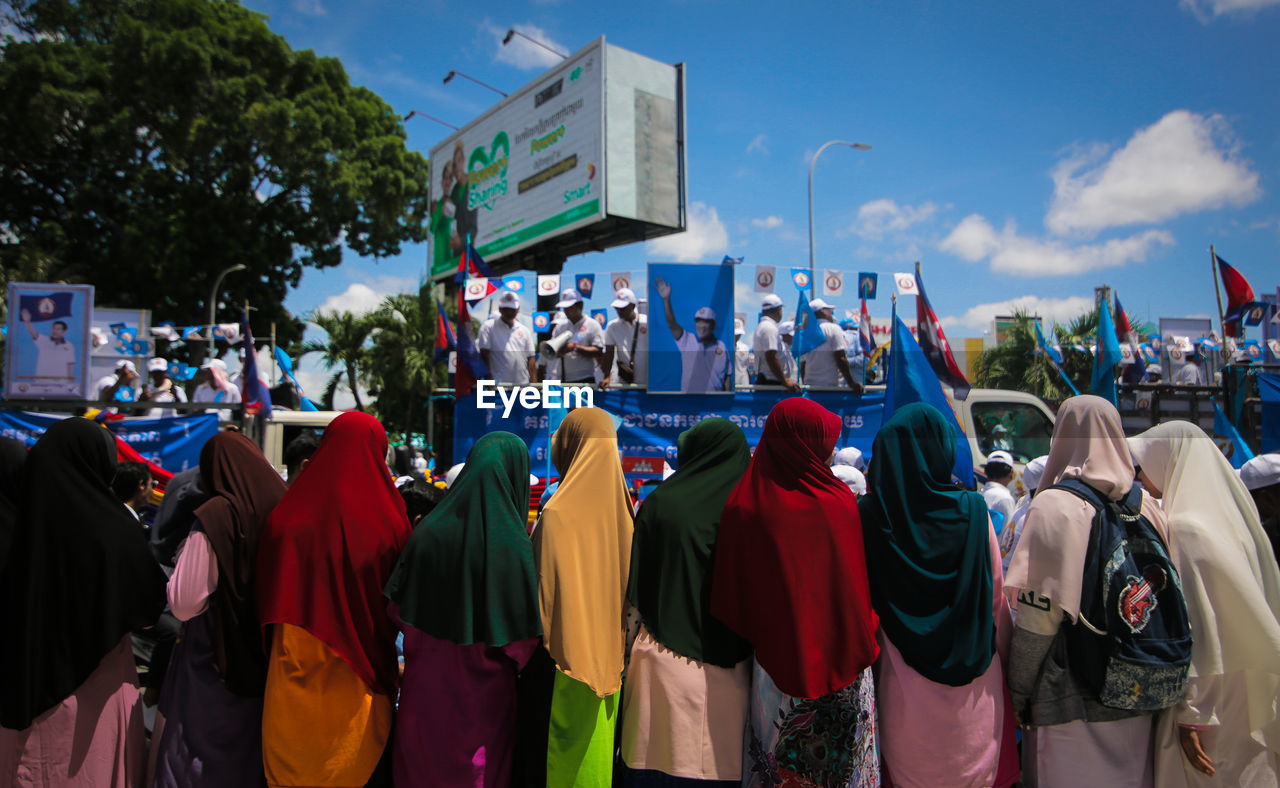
[1131, 643]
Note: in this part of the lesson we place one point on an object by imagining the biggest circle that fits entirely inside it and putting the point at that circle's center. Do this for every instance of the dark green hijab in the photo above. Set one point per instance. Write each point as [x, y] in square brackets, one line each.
[675, 541]
[467, 574]
[928, 550]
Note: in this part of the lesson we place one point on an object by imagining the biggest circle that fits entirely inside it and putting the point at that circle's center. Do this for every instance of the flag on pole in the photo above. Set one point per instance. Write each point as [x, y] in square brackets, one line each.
[833, 283]
[471, 264]
[253, 392]
[1054, 354]
[866, 341]
[933, 341]
[286, 368]
[1228, 438]
[764, 278]
[1103, 381]
[470, 365]
[1239, 296]
[445, 340]
[479, 288]
[808, 335]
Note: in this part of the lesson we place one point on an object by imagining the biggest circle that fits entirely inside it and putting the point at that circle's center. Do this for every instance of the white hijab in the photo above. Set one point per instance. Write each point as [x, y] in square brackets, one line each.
[1228, 571]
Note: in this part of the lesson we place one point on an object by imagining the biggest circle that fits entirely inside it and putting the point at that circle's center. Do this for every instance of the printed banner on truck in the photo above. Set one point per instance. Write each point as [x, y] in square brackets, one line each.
[173, 443]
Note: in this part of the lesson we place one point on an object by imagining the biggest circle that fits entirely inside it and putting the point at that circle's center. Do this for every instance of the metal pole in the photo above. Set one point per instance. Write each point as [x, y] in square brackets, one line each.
[812, 162]
[213, 301]
[455, 73]
[513, 32]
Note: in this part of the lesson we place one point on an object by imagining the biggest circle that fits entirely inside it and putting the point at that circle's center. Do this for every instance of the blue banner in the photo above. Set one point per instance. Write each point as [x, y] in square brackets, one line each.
[1269, 388]
[174, 443]
[651, 423]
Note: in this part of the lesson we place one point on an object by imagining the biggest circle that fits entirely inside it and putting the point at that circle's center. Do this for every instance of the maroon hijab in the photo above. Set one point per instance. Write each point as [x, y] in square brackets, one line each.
[329, 548]
[790, 575]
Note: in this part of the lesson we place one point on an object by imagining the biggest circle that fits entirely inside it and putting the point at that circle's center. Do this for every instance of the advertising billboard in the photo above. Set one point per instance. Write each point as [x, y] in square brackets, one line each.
[47, 354]
[691, 328]
[587, 156]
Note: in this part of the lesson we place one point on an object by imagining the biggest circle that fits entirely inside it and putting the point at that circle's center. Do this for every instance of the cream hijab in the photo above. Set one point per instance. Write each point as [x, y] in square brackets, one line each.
[582, 546]
[1229, 577]
[1089, 445]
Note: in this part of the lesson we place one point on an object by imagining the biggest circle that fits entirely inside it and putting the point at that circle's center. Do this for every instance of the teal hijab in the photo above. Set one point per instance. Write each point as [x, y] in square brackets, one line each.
[928, 550]
[675, 541]
[467, 574]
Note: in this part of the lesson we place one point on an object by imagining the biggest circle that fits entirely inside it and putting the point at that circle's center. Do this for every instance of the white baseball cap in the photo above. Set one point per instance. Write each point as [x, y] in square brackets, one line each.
[739, 326]
[852, 477]
[1002, 457]
[1261, 471]
[216, 363]
[157, 365]
[452, 475]
[771, 301]
[1033, 471]
[705, 313]
[787, 327]
[125, 364]
[818, 303]
[849, 455]
[508, 300]
[624, 298]
[568, 298]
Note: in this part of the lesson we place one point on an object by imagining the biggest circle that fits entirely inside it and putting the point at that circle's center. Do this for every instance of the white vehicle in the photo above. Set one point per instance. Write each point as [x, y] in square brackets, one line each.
[274, 434]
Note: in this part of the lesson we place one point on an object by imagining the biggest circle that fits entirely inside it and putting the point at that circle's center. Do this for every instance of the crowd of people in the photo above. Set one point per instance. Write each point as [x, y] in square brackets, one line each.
[785, 616]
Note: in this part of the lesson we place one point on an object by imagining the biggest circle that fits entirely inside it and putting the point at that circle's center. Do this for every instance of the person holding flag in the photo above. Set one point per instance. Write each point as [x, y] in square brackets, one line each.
[767, 344]
[822, 362]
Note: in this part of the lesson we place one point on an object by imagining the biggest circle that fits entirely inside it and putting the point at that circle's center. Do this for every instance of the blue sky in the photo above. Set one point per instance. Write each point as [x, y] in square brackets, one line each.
[1024, 152]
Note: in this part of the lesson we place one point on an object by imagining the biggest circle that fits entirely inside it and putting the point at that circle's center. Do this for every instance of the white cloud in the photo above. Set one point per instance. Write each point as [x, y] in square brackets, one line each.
[706, 235]
[879, 217]
[521, 52]
[310, 7]
[361, 298]
[1206, 9]
[1053, 310]
[1182, 164]
[767, 223]
[757, 145]
[974, 239]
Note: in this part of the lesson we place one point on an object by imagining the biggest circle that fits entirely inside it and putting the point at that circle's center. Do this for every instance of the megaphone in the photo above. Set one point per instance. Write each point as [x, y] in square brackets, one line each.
[552, 347]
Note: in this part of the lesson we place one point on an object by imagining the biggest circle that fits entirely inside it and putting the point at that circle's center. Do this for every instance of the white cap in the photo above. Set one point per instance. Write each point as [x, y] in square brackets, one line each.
[849, 455]
[1032, 472]
[852, 477]
[739, 326]
[1155, 369]
[125, 364]
[787, 327]
[568, 298]
[818, 303]
[1261, 471]
[216, 363]
[452, 475]
[1002, 457]
[771, 301]
[157, 365]
[508, 300]
[705, 313]
[624, 298]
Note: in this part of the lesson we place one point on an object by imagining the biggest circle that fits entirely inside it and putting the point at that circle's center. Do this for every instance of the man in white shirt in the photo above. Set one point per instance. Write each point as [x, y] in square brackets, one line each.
[507, 346]
[771, 366]
[995, 492]
[215, 387]
[626, 343]
[790, 369]
[703, 359]
[577, 357]
[161, 389]
[1190, 373]
[821, 364]
[742, 357]
[56, 356]
[117, 386]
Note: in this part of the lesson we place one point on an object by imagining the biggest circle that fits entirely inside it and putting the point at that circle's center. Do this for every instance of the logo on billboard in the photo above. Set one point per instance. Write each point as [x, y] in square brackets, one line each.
[487, 172]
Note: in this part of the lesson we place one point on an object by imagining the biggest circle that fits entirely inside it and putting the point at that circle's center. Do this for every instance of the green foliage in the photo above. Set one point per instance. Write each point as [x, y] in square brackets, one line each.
[1015, 365]
[400, 364]
[344, 349]
[149, 144]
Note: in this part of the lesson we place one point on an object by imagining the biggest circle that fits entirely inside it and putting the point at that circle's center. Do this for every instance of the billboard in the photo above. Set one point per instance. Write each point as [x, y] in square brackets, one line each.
[47, 354]
[691, 328]
[587, 156]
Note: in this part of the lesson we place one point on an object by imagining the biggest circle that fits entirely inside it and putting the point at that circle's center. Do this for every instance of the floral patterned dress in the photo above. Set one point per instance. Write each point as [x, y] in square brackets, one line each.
[827, 742]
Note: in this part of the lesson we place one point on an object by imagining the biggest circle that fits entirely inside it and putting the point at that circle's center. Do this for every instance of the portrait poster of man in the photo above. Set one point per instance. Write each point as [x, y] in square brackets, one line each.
[47, 351]
[690, 328]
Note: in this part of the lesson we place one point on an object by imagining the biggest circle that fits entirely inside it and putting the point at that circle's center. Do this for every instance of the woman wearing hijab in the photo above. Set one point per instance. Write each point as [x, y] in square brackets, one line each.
[12, 455]
[1073, 739]
[790, 577]
[934, 568]
[212, 697]
[582, 548]
[1226, 731]
[79, 579]
[689, 677]
[467, 591]
[324, 558]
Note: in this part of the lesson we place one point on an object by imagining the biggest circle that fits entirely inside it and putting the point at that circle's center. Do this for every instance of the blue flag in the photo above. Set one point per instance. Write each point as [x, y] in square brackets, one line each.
[1228, 439]
[1054, 355]
[1107, 356]
[912, 379]
[54, 306]
[252, 390]
[808, 335]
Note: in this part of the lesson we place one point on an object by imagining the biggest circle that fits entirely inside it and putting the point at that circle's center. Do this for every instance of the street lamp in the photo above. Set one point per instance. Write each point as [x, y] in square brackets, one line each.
[452, 74]
[213, 301]
[414, 112]
[513, 32]
[855, 146]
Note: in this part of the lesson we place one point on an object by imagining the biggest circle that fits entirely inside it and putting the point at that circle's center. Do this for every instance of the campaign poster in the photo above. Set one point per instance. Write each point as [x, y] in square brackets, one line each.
[49, 342]
[690, 328]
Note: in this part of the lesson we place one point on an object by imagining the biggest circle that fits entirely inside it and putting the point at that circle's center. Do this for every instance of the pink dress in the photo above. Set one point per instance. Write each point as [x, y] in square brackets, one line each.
[935, 734]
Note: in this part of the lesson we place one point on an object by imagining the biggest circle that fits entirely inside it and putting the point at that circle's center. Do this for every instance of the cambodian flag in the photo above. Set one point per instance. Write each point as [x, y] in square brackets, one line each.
[254, 394]
[1239, 295]
[865, 340]
[933, 341]
[445, 341]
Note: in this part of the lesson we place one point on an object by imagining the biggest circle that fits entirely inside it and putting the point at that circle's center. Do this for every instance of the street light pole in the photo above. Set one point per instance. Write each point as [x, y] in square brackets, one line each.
[513, 32]
[455, 73]
[814, 161]
[213, 301]
[415, 113]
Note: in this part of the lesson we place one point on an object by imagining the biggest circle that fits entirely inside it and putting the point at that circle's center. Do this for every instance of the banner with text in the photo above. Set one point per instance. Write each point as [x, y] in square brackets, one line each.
[173, 443]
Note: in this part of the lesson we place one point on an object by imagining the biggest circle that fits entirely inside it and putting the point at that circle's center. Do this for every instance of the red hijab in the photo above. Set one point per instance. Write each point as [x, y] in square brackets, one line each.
[329, 547]
[790, 575]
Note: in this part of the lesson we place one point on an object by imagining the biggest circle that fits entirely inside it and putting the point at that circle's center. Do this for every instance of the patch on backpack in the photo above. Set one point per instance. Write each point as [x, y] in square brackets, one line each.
[1138, 600]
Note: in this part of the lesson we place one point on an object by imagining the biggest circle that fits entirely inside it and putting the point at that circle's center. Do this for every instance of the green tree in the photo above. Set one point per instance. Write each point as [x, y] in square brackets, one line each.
[346, 349]
[150, 144]
[401, 364]
[1015, 365]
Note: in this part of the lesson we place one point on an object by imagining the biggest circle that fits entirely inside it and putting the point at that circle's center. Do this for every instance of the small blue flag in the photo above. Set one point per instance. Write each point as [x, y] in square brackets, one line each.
[800, 277]
[585, 284]
[541, 321]
[867, 283]
[732, 260]
[808, 335]
[1103, 382]
[513, 283]
[1228, 438]
[54, 306]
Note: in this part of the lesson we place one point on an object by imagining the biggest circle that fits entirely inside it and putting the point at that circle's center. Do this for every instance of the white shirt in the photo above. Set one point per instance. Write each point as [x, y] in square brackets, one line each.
[510, 348]
[207, 393]
[787, 360]
[53, 357]
[766, 338]
[703, 366]
[587, 332]
[820, 363]
[173, 394]
[999, 499]
[619, 336]
[741, 360]
[1189, 374]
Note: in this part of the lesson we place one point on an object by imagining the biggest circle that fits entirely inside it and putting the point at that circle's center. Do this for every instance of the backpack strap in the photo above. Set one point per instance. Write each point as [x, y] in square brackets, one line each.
[1090, 581]
[1082, 491]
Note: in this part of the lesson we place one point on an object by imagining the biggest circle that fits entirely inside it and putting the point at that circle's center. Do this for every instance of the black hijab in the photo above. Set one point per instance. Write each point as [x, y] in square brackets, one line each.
[80, 575]
[12, 455]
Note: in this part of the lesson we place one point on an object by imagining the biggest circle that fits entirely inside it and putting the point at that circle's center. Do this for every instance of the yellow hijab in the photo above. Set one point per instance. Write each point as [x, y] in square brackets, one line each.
[582, 546]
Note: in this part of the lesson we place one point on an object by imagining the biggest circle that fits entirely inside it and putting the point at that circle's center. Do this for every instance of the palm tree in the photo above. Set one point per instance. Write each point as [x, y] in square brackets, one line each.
[345, 349]
[401, 365]
[1015, 365]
